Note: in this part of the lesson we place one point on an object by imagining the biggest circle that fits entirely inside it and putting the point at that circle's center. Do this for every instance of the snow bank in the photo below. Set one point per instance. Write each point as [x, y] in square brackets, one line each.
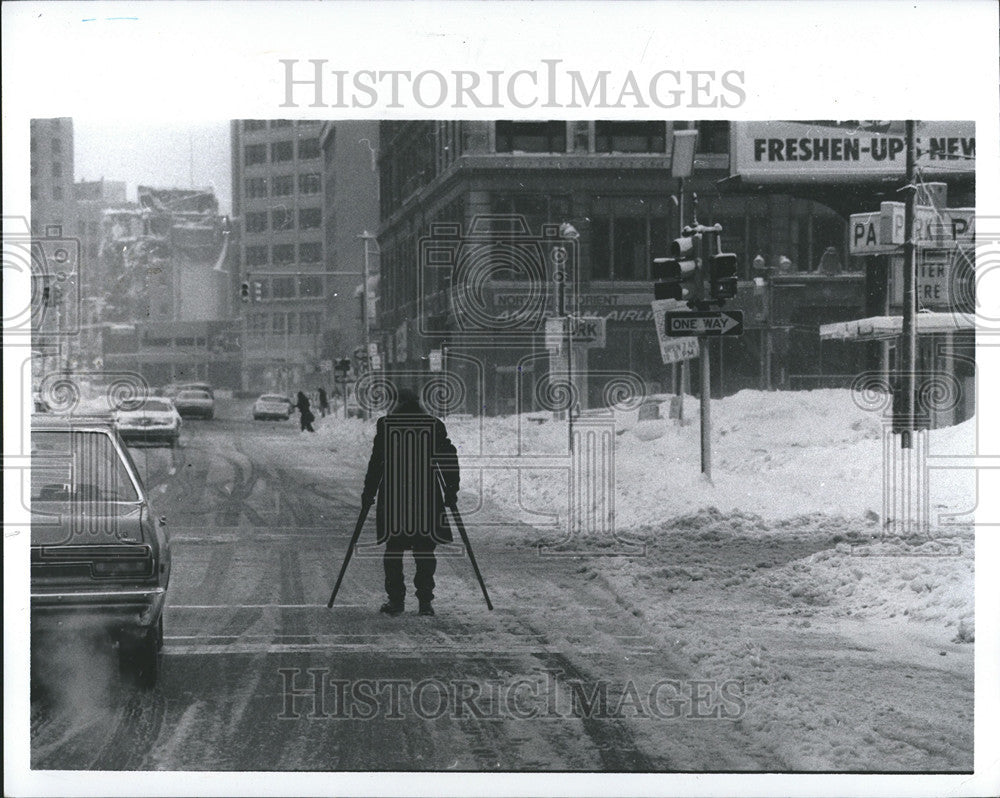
[775, 455]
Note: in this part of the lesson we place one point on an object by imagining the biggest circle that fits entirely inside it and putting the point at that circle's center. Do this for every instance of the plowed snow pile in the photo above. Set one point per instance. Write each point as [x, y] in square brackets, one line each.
[775, 454]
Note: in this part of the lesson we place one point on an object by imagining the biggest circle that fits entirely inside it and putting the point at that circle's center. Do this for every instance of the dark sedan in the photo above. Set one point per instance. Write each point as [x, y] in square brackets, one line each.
[100, 556]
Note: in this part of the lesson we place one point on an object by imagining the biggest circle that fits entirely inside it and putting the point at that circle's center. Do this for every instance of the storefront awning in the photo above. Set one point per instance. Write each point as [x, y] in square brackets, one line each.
[879, 328]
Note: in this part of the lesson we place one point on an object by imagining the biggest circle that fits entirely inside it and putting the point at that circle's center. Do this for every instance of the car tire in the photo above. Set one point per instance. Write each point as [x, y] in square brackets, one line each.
[139, 660]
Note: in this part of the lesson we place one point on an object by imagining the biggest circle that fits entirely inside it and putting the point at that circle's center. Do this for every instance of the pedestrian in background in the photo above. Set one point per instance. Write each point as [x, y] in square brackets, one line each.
[306, 417]
[411, 448]
[324, 403]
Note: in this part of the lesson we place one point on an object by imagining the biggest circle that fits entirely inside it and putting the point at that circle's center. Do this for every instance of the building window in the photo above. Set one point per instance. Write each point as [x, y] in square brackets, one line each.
[57, 169]
[278, 323]
[277, 124]
[600, 248]
[256, 223]
[629, 248]
[713, 137]
[56, 146]
[283, 253]
[283, 287]
[283, 185]
[250, 125]
[309, 323]
[311, 252]
[57, 193]
[308, 148]
[549, 136]
[310, 218]
[256, 256]
[281, 151]
[256, 187]
[311, 286]
[254, 154]
[630, 136]
[310, 183]
[281, 219]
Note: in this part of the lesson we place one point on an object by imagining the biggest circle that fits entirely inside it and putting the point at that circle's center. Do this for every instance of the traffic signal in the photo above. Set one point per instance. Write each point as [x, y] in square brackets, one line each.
[722, 269]
[245, 292]
[46, 296]
[679, 276]
[258, 291]
[344, 365]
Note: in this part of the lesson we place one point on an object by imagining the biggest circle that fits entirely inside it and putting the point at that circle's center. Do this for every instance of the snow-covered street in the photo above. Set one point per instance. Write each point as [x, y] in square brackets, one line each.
[852, 639]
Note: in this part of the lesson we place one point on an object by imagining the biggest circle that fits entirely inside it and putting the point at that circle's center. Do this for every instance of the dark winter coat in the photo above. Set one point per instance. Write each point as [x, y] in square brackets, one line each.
[410, 446]
[303, 407]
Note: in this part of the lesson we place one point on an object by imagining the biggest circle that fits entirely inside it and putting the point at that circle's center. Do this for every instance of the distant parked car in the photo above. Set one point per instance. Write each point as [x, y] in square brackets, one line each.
[151, 420]
[100, 555]
[198, 386]
[195, 402]
[272, 405]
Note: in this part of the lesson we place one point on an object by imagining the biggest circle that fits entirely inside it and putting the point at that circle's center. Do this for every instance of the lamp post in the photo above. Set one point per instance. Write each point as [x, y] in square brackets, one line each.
[366, 237]
[567, 232]
[681, 166]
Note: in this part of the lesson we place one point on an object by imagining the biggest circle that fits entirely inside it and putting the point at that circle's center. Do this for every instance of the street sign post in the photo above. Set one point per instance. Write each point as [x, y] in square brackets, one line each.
[711, 323]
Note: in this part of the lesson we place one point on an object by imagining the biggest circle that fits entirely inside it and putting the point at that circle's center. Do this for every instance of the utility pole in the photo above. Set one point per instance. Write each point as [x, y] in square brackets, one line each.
[366, 237]
[907, 367]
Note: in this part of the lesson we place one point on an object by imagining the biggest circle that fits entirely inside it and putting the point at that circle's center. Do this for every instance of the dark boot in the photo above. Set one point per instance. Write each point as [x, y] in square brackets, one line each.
[392, 608]
[425, 608]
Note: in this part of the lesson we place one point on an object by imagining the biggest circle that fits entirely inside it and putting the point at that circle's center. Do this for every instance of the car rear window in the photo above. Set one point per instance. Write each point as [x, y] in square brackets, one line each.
[270, 397]
[194, 395]
[152, 405]
[82, 466]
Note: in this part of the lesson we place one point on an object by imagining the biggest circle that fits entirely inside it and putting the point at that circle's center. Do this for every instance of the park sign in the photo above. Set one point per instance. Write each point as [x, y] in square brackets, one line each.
[882, 232]
[712, 323]
[587, 331]
[785, 151]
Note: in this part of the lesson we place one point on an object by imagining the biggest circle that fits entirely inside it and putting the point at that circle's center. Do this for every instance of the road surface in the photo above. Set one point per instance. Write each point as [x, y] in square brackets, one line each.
[567, 673]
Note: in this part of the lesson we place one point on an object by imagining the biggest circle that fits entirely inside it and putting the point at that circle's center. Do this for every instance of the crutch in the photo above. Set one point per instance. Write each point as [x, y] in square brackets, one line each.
[350, 549]
[465, 538]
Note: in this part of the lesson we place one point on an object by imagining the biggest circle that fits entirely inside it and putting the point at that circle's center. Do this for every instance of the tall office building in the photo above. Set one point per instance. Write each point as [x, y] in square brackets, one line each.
[277, 172]
[52, 199]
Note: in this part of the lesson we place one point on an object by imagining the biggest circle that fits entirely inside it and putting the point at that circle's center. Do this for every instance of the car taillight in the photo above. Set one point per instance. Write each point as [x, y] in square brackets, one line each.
[123, 567]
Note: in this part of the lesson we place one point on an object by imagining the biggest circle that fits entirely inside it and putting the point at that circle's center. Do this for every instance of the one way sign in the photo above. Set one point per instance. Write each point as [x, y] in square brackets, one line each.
[678, 324]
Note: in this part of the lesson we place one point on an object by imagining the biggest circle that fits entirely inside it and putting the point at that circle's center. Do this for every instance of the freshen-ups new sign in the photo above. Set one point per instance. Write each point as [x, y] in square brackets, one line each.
[782, 151]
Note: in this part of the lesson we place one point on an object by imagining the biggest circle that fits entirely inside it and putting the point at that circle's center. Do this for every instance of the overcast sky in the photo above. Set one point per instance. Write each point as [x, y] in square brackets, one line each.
[163, 155]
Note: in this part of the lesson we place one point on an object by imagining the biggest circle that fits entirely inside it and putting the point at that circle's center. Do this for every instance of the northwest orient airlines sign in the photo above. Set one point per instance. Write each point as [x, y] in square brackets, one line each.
[841, 151]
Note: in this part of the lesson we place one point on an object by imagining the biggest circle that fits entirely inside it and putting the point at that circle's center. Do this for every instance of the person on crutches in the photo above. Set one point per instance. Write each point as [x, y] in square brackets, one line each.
[413, 471]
